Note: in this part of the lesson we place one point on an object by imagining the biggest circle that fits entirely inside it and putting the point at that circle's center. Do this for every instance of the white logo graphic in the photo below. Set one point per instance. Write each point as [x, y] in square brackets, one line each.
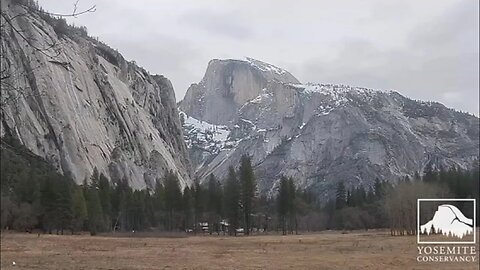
[447, 220]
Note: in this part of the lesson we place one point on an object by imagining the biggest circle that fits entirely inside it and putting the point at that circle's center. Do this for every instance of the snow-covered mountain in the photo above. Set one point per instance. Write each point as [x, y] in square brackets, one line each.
[230, 84]
[318, 133]
[212, 138]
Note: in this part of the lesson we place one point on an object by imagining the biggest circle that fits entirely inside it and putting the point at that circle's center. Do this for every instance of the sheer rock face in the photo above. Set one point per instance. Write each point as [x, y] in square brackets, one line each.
[81, 105]
[227, 85]
[321, 133]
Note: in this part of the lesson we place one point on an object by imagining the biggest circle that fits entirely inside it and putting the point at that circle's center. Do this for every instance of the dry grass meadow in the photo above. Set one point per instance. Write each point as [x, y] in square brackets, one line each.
[326, 250]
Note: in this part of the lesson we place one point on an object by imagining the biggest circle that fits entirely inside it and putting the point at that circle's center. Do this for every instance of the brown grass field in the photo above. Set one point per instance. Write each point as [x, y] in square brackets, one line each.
[326, 250]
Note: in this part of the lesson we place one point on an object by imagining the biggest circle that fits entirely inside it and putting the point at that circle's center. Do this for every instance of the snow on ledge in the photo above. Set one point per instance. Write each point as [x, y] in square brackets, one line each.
[266, 67]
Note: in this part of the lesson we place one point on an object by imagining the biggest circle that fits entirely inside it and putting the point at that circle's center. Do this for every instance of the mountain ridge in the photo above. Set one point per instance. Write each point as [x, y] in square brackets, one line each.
[324, 133]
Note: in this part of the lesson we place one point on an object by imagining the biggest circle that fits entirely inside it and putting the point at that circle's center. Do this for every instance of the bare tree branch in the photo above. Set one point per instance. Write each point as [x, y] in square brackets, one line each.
[10, 92]
[41, 50]
[74, 13]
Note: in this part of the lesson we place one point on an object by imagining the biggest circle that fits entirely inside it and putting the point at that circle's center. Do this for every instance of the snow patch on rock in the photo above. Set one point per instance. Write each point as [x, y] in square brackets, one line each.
[198, 131]
[266, 67]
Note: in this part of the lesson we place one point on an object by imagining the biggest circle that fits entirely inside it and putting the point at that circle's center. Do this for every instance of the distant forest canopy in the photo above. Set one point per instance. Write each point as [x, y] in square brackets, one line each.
[58, 23]
[35, 196]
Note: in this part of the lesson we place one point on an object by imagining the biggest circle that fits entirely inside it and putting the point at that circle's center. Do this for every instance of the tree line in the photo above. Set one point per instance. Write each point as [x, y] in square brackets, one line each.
[35, 196]
[394, 205]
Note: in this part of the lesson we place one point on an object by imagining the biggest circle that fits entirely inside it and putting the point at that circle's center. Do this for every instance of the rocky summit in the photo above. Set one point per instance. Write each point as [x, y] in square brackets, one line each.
[77, 103]
[80, 105]
[319, 134]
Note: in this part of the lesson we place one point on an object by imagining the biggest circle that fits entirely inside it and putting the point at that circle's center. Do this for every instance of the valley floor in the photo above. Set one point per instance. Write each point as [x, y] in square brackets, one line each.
[326, 250]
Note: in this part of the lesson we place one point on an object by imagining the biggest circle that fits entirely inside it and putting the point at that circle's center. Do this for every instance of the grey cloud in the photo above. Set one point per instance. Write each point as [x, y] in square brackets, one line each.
[390, 10]
[456, 31]
[174, 58]
[424, 49]
[226, 24]
[439, 62]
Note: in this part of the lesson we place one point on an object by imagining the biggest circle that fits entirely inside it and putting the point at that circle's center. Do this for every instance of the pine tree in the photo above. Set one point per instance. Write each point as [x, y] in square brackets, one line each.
[199, 204]
[292, 205]
[232, 201]
[370, 196]
[212, 194]
[363, 195]
[119, 198]
[149, 208]
[173, 198]
[187, 204]
[378, 189]
[158, 201]
[79, 210]
[126, 203]
[48, 200]
[249, 188]
[95, 178]
[283, 203]
[104, 193]
[137, 210]
[340, 195]
[24, 218]
[214, 203]
[26, 189]
[429, 174]
[350, 198]
[94, 210]
[220, 210]
[416, 176]
[64, 203]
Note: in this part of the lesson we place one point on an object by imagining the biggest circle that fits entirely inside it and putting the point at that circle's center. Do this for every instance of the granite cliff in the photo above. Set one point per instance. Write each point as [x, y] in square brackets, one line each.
[318, 133]
[79, 104]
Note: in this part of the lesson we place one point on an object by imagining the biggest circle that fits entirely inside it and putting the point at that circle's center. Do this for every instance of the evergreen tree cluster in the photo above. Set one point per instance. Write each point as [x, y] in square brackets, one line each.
[35, 196]
[59, 24]
[394, 205]
[230, 207]
[286, 204]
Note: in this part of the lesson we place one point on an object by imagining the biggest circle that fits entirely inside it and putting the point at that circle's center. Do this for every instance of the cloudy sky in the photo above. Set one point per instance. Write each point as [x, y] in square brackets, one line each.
[426, 49]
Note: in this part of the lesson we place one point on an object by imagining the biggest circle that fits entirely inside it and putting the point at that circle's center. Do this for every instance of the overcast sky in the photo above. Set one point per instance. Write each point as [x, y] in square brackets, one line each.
[424, 49]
